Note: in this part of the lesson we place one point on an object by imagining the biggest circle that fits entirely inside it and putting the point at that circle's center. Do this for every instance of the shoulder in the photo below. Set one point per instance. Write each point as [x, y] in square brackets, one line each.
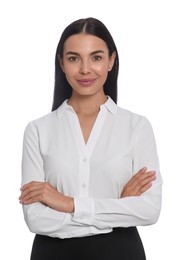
[125, 118]
[44, 120]
[131, 117]
[134, 123]
[48, 120]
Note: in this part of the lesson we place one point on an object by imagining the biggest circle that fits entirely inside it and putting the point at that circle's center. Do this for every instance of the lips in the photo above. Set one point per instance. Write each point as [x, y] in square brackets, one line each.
[86, 82]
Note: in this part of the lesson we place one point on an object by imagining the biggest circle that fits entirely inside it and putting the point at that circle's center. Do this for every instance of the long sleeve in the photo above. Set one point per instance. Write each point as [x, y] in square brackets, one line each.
[130, 211]
[40, 218]
[120, 144]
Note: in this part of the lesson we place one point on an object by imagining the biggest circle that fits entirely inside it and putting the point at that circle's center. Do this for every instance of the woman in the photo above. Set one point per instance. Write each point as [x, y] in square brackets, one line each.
[90, 171]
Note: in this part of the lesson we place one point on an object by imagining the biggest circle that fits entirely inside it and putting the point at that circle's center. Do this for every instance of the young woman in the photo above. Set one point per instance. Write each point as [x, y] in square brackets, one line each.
[90, 170]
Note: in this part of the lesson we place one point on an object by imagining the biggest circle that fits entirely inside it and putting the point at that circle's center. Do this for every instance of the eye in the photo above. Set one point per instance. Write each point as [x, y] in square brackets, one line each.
[97, 57]
[73, 58]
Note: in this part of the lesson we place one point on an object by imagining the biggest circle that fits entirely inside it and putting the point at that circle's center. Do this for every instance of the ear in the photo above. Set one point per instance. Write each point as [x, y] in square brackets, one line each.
[112, 60]
[61, 63]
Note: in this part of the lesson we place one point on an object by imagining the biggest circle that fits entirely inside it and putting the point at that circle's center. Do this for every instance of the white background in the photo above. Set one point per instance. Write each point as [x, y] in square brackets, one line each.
[150, 39]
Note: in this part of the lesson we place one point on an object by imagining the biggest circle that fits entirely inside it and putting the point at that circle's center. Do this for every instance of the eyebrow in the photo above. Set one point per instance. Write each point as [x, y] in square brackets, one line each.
[76, 53]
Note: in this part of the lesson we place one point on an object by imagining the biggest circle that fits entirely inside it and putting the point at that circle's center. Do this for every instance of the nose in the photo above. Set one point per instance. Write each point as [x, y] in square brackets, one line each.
[85, 67]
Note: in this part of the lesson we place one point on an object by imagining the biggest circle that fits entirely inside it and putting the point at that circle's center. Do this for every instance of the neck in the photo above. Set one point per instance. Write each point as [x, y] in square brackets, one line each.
[87, 104]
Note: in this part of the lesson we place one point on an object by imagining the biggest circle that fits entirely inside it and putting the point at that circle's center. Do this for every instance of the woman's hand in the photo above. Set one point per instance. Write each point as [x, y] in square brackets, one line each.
[139, 183]
[44, 192]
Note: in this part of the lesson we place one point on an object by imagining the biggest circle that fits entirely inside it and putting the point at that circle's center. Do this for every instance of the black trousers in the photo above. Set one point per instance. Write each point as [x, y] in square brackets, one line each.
[121, 244]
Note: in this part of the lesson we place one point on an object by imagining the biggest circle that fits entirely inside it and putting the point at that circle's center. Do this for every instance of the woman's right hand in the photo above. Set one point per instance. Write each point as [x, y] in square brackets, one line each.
[139, 183]
[44, 192]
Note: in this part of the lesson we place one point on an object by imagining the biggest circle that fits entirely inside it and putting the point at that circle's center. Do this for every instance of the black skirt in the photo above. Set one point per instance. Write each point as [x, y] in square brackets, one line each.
[120, 244]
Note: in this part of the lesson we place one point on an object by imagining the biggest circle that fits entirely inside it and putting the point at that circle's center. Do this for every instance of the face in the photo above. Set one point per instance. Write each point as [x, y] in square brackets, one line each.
[86, 63]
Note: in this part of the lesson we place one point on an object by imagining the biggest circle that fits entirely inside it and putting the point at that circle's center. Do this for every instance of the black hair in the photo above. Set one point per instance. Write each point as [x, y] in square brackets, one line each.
[62, 89]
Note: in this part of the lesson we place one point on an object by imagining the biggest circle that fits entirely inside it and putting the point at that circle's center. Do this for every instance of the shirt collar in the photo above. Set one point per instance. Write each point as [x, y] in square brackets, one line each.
[110, 105]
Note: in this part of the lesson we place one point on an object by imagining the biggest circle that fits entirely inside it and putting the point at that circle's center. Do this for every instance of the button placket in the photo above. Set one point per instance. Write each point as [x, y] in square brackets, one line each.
[84, 176]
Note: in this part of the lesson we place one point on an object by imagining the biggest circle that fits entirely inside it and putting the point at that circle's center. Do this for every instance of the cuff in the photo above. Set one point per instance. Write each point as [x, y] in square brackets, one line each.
[84, 210]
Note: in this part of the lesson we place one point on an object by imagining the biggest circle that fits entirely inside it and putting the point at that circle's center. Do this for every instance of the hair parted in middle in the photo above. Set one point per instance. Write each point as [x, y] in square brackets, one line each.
[93, 26]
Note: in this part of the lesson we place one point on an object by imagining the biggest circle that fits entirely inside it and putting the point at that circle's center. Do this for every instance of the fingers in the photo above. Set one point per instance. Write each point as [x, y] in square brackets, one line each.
[142, 181]
[144, 185]
[139, 183]
[45, 193]
[33, 192]
[137, 177]
[30, 197]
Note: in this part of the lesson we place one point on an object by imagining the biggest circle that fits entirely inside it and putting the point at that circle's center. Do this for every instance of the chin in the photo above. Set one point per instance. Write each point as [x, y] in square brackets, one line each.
[88, 92]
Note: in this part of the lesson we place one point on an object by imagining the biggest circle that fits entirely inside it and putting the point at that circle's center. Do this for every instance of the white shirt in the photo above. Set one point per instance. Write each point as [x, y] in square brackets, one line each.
[121, 142]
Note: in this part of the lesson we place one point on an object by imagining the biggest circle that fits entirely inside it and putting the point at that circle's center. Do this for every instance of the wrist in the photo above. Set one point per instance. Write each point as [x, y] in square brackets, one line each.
[70, 204]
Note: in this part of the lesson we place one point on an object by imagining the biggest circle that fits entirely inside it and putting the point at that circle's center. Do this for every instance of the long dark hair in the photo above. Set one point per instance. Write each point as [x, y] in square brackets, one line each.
[62, 89]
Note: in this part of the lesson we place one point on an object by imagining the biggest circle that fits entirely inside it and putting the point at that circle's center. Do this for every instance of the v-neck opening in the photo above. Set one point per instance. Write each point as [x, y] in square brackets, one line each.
[87, 147]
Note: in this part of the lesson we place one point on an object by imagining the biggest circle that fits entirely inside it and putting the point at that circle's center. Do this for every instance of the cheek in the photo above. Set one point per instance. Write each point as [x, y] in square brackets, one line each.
[70, 71]
[101, 69]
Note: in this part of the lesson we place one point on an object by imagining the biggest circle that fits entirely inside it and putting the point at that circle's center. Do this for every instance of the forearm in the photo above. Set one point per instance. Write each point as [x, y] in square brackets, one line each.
[124, 212]
[45, 193]
[44, 220]
[67, 203]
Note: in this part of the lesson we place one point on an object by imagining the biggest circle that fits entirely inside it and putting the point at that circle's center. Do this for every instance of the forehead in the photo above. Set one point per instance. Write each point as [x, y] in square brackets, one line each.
[84, 42]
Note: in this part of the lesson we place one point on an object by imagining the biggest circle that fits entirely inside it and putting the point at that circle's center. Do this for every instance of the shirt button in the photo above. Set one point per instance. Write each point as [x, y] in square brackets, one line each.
[83, 185]
[84, 159]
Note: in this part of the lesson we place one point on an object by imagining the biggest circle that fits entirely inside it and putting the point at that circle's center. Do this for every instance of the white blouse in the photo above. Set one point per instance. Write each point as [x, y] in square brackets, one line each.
[121, 142]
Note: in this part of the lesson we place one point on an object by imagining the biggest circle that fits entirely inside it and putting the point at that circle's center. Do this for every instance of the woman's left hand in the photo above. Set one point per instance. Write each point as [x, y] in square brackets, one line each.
[44, 192]
[139, 183]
